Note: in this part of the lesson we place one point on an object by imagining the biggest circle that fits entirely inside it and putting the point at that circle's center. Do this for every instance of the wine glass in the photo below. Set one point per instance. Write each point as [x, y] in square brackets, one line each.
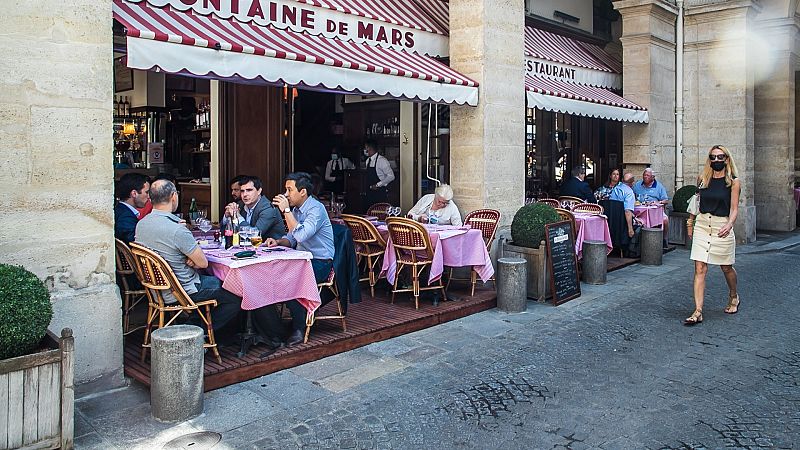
[204, 225]
[245, 233]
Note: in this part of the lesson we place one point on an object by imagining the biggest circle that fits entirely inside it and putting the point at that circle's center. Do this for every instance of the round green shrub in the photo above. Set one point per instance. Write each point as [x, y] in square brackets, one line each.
[25, 311]
[680, 202]
[527, 228]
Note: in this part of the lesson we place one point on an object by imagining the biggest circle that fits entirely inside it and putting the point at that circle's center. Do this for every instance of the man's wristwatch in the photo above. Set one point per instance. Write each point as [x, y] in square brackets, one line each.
[287, 210]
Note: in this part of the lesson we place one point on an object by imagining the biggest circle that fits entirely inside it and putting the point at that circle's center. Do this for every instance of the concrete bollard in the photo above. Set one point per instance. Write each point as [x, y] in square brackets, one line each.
[512, 285]
[594, 262]
[652, 250]
[176, 371]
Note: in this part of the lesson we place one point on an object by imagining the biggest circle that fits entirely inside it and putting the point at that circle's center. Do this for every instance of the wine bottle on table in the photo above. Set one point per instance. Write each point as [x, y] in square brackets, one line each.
[193, 210]
[228, 232]
[235, 222]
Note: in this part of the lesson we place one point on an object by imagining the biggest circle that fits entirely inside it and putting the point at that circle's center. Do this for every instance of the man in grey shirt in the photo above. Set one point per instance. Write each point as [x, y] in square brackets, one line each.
[163, 232]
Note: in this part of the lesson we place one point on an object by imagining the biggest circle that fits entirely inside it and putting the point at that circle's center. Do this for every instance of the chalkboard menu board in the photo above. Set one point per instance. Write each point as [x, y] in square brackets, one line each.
[562, 262]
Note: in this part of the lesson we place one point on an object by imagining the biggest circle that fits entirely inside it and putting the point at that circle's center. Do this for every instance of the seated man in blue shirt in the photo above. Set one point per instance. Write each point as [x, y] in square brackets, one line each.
[650, 190]
[309, 230]
[624, 193]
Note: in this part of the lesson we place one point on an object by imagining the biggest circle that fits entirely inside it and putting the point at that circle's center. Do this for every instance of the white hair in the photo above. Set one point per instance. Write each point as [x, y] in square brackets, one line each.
[444, 191]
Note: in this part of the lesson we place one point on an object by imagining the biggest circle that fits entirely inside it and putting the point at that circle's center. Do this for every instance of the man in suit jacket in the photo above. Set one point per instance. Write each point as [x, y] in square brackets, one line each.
[255, 210]
[576, 187]
[133, 191]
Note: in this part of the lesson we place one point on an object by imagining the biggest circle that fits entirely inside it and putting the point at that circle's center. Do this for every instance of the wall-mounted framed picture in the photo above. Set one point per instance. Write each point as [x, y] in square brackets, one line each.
[123, 76]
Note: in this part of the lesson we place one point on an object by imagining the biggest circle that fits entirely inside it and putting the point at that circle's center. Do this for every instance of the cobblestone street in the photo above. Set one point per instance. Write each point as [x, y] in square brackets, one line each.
[613, 369]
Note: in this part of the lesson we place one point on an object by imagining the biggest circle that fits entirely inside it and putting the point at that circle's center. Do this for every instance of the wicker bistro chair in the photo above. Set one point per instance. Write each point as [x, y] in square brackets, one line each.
[370, 245]
[158, 278]
[486, 220]
[549, 201]
[591, 208]
[413, 248]
[564, 214]
[130, 297]
[330, 285]
[568, 202]
[379, 210]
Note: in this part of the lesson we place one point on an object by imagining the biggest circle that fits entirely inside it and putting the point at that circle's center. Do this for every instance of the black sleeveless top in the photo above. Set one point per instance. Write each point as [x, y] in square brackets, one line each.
[716, 198]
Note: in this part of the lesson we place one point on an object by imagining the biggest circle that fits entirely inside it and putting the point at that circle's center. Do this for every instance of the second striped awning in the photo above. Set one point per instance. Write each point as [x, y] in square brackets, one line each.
[208, 46]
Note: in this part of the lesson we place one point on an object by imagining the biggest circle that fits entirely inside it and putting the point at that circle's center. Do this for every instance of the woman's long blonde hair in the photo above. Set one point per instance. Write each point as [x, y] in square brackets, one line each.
[730, 168]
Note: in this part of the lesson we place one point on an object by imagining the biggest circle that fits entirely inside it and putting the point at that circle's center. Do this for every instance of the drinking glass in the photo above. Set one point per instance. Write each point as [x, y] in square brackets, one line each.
[245, 233]
[204, 225]
[256, 239]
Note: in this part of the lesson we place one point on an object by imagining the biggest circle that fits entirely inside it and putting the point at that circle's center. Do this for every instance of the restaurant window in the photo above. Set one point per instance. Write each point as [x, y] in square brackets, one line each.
[562, 137]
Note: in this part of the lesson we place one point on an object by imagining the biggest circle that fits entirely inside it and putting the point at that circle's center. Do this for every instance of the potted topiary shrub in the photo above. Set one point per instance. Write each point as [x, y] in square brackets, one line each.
[36, 368]
[527, 234]
[678, 216]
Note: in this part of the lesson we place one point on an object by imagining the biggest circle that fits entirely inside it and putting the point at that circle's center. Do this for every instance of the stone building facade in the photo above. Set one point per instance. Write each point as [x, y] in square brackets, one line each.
[739, 65]
[56, 174]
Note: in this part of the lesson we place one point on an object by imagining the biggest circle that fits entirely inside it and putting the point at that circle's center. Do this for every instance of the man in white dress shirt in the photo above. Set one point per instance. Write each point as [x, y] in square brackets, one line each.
[379, 175]
[437, 208]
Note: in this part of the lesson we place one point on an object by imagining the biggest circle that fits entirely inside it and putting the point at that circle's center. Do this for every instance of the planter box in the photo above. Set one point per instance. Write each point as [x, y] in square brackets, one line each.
[37, 397]
[677, 228]
[538, 279]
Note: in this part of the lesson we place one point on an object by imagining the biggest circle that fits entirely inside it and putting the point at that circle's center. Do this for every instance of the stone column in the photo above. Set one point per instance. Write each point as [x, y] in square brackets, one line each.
[648, 59]
[487, 154]
[719, 96]
[774, 155]
[56, 174]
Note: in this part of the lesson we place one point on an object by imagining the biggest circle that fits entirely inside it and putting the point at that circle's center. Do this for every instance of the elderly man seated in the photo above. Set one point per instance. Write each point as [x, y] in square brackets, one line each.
[437, 208]
[648, 190]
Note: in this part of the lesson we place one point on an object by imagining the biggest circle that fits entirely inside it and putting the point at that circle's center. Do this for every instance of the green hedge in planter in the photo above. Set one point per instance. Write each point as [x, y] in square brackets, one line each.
[25, 311]
[527, 228]
[680, 202]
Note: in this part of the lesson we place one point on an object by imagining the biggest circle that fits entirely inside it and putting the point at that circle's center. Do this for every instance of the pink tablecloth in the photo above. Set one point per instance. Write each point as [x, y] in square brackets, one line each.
[591, 228]
[273, 277]
[452, 246]
[797, 197]
[650, 215]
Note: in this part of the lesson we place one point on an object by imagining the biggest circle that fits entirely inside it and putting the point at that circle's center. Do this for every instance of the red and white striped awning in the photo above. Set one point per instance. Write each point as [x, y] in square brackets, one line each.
[205, 45]
[570, 76]
[581, 100]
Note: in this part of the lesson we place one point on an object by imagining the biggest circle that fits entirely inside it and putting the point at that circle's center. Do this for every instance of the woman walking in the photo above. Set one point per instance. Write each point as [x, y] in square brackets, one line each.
[713, 241]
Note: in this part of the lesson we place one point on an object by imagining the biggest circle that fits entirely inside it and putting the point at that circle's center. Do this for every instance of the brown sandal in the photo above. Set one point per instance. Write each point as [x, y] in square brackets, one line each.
[695, 318]
[733, 305]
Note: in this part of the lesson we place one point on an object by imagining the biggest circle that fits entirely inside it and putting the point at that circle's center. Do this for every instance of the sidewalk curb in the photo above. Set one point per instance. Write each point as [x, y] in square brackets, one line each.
[771, 247]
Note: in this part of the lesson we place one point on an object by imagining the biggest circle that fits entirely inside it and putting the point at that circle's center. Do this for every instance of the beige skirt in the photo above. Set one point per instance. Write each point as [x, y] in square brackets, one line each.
[707, 246]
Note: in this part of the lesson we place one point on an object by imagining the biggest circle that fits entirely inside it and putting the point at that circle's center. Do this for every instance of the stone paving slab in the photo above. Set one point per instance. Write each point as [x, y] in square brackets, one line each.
[613, 369]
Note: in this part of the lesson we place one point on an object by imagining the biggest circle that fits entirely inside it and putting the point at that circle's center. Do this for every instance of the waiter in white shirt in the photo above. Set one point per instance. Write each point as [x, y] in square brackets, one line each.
[335, 171]
[379, 175]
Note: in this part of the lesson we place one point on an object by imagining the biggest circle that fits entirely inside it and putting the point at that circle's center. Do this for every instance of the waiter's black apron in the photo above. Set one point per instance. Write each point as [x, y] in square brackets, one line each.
[379, 195]
[337, 172]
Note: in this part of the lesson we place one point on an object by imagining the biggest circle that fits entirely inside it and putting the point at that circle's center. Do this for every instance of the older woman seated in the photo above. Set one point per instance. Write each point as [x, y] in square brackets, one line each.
[437, 208]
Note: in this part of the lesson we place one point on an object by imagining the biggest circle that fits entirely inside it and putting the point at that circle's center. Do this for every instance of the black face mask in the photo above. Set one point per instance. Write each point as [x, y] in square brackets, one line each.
[718, 165]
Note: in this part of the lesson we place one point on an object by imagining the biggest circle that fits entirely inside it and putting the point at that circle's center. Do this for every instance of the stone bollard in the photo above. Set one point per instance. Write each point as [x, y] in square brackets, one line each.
[512, 285]
[594, 262]
[651, 242]
[176, 373]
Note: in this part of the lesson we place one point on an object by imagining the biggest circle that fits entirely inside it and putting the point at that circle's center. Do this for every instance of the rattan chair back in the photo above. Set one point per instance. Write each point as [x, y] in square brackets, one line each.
[379, 210]
[410, 240]
[591, 208]
[124, 257]
[157, 276]
[564, 214]
[569, 202]
[549, 201]
[486, 220]
[364, 231]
